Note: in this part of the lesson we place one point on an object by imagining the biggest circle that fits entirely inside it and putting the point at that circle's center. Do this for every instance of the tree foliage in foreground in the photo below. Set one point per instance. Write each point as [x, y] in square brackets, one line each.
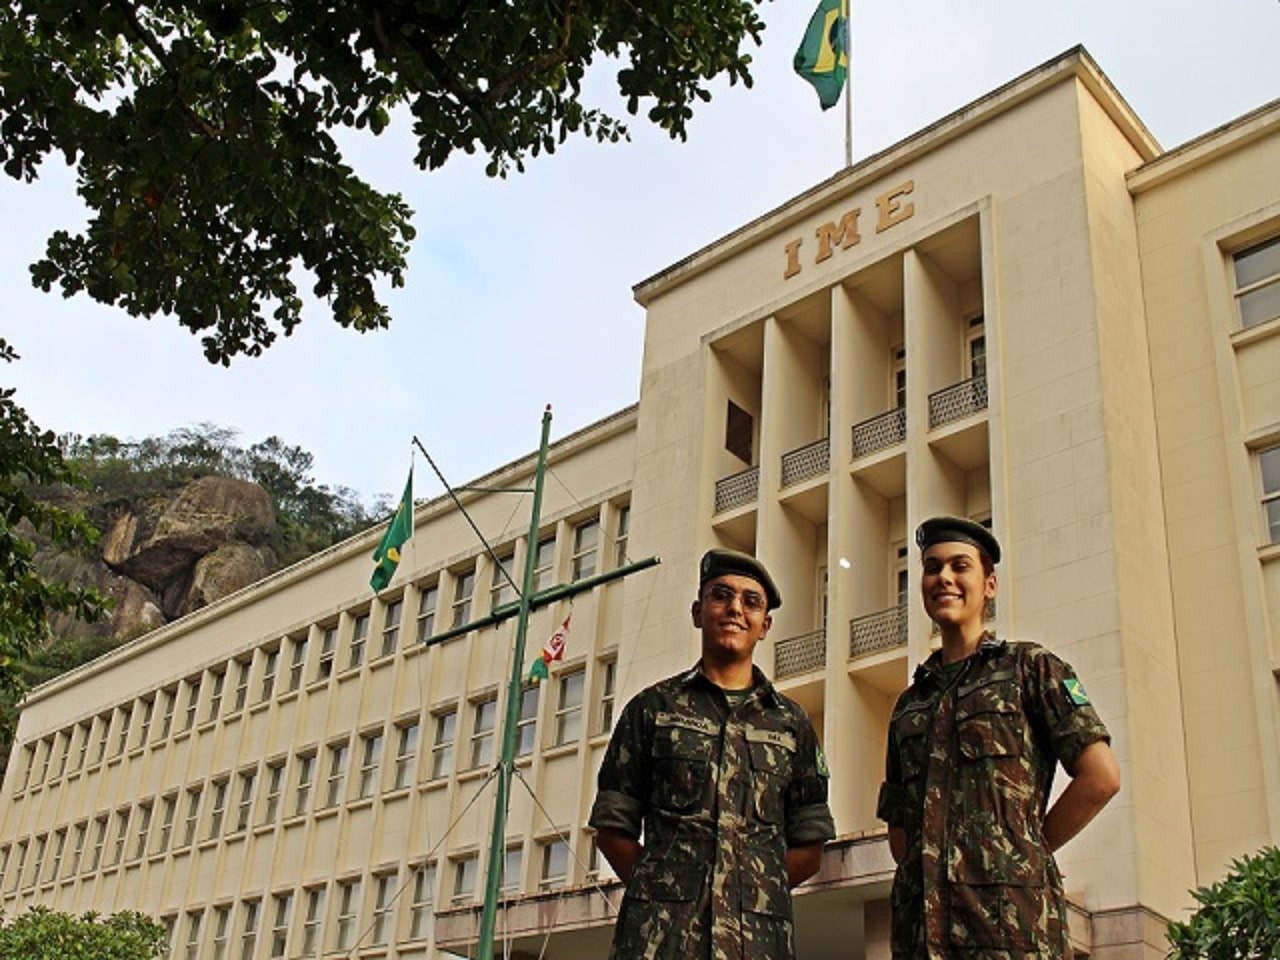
[31, 458]
[43, 934]
[1238, 917]
[203, 133]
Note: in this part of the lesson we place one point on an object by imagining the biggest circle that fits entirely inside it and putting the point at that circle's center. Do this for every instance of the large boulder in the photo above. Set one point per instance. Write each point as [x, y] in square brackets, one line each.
[224, 571]
[160, 543]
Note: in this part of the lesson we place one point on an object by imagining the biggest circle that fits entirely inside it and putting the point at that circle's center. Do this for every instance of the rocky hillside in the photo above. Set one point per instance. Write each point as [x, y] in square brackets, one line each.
[165, 555]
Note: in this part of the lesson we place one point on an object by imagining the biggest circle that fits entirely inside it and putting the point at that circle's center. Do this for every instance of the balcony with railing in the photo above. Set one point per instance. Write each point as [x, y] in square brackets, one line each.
[811, 460]
[738, 489]
[957, 401]
[884, 430]
[796, 655]
[878, 631]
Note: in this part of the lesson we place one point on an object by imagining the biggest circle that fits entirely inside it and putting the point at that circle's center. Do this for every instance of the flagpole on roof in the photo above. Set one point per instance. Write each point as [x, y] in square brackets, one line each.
[848, 86]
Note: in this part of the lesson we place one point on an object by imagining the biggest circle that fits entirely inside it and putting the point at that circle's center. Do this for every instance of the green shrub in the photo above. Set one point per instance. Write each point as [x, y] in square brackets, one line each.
[1238, 918]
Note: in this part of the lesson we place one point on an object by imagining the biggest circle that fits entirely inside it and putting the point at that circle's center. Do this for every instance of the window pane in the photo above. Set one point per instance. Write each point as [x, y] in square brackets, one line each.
[1258, 262]
[1260, 305]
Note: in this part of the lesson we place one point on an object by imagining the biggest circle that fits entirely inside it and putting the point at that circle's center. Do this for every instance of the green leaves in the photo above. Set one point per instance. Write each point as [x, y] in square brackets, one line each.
[202, 134]
[44, 934]
[1238, 918]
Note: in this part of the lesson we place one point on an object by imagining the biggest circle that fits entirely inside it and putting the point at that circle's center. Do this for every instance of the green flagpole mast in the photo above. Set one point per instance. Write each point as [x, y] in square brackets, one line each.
[506, 762]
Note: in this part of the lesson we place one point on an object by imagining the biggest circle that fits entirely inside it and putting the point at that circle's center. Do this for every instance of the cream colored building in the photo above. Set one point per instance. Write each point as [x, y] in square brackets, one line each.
[1027, 313]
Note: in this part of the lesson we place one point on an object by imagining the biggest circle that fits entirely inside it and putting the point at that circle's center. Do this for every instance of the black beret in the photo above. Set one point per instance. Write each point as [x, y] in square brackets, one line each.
[721, 562]
[958, 530]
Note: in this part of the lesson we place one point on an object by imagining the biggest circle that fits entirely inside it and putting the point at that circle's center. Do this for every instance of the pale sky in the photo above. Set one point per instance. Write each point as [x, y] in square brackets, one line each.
[519, 291]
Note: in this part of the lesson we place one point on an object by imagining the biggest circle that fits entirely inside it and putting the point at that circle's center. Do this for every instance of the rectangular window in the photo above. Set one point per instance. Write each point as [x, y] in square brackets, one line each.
[739, 428]
[464, 879]
[370, 758]
[384, 892]
[168, 813]
[464, 584]
[122, 733]
[446, 725]
[898, 371]
[977, 348]
[104, 736]
[348, 913]
[121, 837]
[313, 923]
[141, 829]
[1269, 462]
[306, 776]
[427, 612]
[193, 700]
[544, 563]
[148, 706]
[249, 931]
[328, 644]
[59, 848]
[37, 860]
[555, 865]
[193, 816]
[500, 588]
[99, 842]
[280, 924]
[569, 707]
[406, 753]
[28, 764]
[391, 627]
[216, 680]
[270, 663]
[218, 809]
[61, 747]
[248, 779]
[359, 637]
[77, 850]
[424, 886]
[192, 949]
[1258, 282]
[85, 732]
[46, 754]
[337, 772]
[483, 715]
[275, 789]
[221, 931]
[243, 669]
[608, 694]
[620, 537]
[527, 725]
[297, 663]
[512, 870]
[586, 538]
[16, 879]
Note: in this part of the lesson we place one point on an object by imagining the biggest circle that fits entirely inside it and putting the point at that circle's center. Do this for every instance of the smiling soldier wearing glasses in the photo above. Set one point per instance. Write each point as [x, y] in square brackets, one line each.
[712, 797]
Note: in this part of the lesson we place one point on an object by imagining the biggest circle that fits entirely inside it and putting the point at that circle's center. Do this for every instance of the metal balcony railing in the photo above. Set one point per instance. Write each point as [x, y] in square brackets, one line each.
[734, 491]
[878, 631]
[797, 655]
[957, 401]
[879, 432]
[811, 460]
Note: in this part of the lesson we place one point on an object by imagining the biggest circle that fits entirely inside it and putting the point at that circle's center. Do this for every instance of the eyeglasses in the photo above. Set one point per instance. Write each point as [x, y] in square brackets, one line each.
[722, 596]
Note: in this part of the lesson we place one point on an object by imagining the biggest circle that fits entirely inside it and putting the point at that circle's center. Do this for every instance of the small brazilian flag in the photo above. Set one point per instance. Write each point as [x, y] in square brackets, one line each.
[387, 557]
[1075, 690]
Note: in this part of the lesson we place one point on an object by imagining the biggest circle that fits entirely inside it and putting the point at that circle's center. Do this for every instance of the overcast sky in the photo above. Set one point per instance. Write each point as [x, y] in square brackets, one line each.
[519, 291]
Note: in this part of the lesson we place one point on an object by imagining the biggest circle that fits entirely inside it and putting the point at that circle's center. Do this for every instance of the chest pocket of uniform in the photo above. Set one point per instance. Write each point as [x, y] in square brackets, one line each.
[772, 761]
[912, 727]
[682, 752]
[989, 718]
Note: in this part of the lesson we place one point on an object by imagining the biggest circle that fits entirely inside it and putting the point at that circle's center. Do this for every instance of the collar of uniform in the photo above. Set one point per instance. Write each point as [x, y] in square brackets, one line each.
[990, 645]
[759, 682]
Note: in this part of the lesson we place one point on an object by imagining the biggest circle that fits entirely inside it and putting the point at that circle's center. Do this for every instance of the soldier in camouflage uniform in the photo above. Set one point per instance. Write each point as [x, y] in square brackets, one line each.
[712, 799]
[973, 746]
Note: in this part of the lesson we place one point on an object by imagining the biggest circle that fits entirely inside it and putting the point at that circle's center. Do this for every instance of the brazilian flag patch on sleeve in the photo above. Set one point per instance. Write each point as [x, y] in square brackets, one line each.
[822, 764]
[1075, 690]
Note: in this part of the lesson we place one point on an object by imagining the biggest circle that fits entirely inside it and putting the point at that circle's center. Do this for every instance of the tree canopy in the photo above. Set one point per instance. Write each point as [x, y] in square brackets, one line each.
[43, 934]
[202, 133]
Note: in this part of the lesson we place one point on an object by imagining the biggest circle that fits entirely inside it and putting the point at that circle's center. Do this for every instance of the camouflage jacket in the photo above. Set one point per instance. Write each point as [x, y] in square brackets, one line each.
[719, 793]
[971, 758]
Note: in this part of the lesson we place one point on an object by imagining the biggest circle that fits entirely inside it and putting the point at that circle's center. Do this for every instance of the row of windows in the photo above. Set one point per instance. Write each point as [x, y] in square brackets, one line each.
[319, 779]
[223, 691]
[352, 912]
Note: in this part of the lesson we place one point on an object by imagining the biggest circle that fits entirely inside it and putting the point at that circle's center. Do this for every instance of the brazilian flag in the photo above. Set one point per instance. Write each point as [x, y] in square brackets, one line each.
[823, 57]
[387, 556]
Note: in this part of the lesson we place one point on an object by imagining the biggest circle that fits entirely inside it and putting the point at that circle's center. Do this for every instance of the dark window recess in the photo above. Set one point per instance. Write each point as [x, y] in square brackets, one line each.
[737, 432]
